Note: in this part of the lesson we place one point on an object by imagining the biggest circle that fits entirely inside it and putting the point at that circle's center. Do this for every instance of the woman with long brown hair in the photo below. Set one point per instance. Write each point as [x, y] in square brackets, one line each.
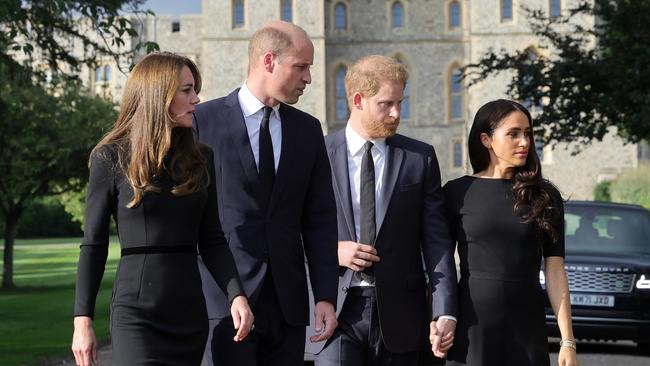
[505, 218]
[158, 184]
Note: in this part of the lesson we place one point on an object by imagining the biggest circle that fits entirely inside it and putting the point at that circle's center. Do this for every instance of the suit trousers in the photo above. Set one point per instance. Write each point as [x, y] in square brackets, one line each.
[358, 339]
[272, 342]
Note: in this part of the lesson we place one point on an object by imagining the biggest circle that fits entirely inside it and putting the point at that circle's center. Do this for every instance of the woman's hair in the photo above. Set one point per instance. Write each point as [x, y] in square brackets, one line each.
[537, 199]
[144, 132]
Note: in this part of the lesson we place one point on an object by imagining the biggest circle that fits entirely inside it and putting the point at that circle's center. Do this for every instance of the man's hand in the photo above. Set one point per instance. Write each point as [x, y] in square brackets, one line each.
[325, 321]
[84, 343]
[242, 317]
[356, 256]
[441, 336]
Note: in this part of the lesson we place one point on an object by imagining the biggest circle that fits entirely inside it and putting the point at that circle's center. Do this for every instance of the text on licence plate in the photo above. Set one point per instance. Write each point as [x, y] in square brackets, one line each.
[592, 300]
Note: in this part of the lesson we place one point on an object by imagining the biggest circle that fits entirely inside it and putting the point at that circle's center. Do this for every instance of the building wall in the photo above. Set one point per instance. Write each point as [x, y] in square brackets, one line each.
[428, 46]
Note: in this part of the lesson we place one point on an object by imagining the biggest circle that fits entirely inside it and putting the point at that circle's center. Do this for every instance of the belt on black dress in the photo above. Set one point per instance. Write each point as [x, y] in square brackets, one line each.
[160, 249]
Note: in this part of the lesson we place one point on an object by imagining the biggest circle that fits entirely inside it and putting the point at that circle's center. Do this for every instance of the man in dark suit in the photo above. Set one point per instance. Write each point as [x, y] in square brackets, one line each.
[276, 204]
[390, 222]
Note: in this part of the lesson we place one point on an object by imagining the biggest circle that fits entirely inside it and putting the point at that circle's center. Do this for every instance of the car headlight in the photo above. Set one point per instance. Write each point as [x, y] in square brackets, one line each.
[542, 278]
[643, 283]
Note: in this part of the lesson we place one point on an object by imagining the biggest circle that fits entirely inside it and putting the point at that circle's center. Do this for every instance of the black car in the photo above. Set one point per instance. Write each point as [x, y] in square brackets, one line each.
[608, 266]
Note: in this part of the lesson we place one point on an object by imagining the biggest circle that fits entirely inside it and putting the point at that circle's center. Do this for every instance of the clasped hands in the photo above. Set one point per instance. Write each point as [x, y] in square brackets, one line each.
[356, 256]
[441, 336]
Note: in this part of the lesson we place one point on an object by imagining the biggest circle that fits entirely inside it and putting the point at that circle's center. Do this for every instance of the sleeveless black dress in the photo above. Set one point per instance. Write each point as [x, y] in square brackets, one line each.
[501, 319]
[158, 313]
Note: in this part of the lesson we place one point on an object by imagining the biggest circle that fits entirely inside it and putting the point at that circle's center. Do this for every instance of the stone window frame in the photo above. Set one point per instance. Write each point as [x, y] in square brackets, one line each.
[283, 4]
[103, 73]
[450, 25]
[408, 89]
[534, 109]
[551, 8]
[338, 66]
[346, 8]
[452, 153]
[454, 66]
[512, 11]
[233, 19]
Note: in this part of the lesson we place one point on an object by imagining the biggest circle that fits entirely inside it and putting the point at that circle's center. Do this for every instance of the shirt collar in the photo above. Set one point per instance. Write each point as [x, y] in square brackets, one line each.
[355, 142]
[249, 103]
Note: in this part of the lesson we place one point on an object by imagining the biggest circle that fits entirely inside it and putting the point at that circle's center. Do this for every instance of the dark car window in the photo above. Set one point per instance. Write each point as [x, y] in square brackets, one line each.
[605, 229]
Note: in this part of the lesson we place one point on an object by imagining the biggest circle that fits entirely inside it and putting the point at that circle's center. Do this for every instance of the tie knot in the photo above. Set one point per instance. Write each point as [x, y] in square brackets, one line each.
[267, 112]
[367, 147]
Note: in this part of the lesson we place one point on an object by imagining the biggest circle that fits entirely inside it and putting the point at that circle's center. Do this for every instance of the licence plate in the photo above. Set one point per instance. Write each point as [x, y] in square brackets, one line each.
[592, 300]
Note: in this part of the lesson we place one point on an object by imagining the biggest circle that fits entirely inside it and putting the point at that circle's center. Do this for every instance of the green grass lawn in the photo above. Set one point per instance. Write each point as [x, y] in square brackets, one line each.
[36, 318]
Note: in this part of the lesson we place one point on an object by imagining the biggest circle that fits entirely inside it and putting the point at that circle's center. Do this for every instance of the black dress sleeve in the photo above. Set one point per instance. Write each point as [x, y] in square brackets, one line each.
[552, 248]
[100, 205]
[213, 246]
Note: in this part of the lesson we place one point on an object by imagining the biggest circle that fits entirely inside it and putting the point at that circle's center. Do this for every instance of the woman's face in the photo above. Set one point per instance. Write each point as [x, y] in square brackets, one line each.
[182, 106]
[510, 142]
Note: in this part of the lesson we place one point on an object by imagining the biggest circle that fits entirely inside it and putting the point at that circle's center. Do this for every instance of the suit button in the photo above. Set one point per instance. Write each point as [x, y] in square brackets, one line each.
[345, 289]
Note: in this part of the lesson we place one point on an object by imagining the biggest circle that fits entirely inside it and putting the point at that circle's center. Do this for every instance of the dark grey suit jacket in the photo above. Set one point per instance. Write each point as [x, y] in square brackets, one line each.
[300, 219]
[412, 231]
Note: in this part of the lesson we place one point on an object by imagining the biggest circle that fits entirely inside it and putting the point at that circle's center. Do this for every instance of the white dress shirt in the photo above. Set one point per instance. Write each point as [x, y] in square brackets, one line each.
[355, 154]
[251, 108]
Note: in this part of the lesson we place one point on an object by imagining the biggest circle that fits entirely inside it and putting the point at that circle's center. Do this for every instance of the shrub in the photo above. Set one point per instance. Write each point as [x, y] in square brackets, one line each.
[632, 186]
[602, 191]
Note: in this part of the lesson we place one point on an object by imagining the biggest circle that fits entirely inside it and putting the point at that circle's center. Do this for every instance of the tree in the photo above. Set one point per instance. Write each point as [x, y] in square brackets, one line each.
[42, 33]
[594, 78]
[47, 125]
[45, 140]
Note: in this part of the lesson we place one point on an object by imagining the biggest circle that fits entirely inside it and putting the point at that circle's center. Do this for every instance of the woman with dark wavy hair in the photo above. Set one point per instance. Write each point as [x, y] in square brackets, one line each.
[158, 184]
[505, 218]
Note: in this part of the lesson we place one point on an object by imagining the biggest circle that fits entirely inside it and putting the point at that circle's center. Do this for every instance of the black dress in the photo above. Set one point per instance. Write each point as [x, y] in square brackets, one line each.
[158, 313]
[501, 319]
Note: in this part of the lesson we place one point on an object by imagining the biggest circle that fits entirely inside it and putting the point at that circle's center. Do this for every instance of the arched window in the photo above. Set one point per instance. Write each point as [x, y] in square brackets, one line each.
[341, 97]
[455, 94]
[340, 16]
[397, 14]
[107, 73]
[238, 14]
[506, 10]
[99, 73]
[454, 14]
[555, 7]
[286, 10]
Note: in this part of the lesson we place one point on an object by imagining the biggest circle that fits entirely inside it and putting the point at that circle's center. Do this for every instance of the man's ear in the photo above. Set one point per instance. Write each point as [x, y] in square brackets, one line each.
[357, 101]
[486, 140]
[269, 61]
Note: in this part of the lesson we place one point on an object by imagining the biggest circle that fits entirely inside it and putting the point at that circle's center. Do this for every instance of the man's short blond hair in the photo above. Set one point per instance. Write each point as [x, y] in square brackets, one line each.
[367, 73]
[275, 37]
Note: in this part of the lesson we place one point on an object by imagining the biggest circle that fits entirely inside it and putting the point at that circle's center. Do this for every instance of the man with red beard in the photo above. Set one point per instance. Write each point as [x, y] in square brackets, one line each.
[391, 220]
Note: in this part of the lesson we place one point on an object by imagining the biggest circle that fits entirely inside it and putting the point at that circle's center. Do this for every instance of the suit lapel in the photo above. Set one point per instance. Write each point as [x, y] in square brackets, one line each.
[339, 162]
[286, 152]
[239, 135]
[394, 159]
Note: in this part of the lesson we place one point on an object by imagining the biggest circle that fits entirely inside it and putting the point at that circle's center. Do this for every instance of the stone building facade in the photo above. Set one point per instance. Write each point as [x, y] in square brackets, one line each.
[432, 38]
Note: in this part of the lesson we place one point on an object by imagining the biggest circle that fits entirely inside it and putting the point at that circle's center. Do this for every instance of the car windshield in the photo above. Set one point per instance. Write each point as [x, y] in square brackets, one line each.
[607, 229]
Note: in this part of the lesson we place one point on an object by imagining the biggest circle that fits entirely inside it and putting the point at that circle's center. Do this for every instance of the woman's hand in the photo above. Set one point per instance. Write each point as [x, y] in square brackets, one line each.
[567, 357]
[242, 317]
[84, 343]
